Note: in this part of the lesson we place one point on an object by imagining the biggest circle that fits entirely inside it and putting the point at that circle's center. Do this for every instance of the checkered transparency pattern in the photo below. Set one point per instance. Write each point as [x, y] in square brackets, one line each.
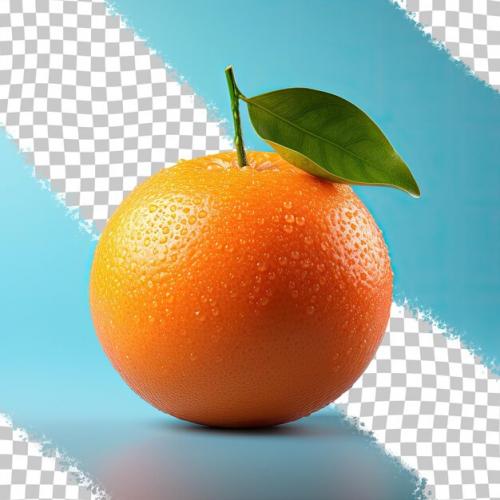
[97, 111]
[28, 473]
[433, 404]
[93, 107]
[469, 29]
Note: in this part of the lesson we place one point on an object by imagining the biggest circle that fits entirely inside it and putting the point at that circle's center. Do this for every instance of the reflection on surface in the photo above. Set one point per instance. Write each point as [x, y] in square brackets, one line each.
[320, 457]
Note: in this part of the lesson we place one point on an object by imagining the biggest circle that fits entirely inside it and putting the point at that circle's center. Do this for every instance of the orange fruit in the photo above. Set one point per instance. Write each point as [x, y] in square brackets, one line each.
[240, 297]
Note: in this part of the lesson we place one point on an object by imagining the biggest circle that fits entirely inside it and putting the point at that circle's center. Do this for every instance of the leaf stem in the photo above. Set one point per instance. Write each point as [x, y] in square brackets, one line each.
[235, 94]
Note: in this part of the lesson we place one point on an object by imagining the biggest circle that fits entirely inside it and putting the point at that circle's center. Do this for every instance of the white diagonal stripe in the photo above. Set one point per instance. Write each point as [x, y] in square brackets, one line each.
[432, 403]
[469, 29]
[26, 471]
[96, 110]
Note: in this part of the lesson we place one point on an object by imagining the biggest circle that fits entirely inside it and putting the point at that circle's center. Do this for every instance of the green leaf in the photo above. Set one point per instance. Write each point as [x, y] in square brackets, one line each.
[328, 137]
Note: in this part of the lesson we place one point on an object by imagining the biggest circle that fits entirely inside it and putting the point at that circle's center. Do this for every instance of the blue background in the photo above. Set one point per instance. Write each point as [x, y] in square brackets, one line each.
[445, 247]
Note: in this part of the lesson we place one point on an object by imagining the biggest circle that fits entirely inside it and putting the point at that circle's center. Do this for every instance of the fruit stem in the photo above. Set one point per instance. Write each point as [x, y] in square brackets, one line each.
[235, 94]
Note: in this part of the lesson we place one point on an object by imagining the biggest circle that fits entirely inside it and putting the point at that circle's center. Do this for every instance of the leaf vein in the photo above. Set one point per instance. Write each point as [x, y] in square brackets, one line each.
[302, 129]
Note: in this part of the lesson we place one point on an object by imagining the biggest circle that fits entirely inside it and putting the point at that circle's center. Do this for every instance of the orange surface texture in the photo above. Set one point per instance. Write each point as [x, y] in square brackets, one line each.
[240, 297]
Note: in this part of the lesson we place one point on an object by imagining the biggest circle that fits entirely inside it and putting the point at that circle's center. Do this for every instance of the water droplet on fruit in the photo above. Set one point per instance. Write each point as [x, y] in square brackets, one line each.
[300, 221]
[290, 218]
[287, 228]
[288, 204]
[310, 310]
[294, 254]
[282, 261]
[261, 266]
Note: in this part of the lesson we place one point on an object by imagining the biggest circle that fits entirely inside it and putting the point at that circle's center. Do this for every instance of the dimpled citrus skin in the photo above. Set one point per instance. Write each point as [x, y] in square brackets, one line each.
[240, 297]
